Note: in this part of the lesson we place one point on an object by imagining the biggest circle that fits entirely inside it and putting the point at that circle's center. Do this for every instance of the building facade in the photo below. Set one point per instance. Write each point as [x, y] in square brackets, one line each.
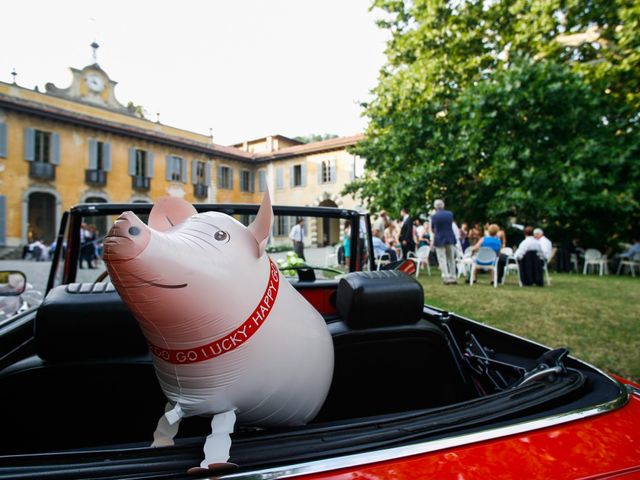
[79, 144]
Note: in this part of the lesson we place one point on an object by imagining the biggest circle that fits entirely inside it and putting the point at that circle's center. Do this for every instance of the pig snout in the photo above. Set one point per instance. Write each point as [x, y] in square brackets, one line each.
[128, 237]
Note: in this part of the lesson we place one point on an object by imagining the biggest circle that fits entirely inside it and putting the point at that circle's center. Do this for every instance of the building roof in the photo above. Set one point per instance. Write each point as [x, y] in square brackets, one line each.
[58, 113]
[307, 148]
[90, 121]
[261, 139]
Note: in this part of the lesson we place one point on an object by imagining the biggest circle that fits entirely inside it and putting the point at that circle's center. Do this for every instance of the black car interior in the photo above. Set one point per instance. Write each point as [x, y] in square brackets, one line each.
[96, 384]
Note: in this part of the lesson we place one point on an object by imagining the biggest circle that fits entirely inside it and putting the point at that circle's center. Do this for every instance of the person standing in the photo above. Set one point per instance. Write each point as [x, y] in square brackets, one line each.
[346, 243]
[380, 224]
[297, 237]
[444, 241]
[407, 242]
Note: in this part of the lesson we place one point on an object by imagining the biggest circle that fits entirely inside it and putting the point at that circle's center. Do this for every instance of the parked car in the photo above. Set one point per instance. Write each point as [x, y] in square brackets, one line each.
[417, 392]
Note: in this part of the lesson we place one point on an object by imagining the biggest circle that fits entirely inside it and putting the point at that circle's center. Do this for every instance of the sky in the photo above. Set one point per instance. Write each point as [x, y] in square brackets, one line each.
[244, 68]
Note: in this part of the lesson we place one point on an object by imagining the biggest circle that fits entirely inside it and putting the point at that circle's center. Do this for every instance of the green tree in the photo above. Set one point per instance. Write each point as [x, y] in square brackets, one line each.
[503, 108]
[315, 137]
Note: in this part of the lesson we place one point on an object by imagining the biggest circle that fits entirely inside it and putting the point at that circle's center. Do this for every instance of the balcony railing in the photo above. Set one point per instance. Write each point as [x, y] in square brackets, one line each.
[200, 190]
[140, 183]
[95, 177]
[42, 170]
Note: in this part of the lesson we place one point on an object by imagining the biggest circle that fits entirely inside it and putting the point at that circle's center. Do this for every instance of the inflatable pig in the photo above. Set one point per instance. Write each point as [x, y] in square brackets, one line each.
[229, 336]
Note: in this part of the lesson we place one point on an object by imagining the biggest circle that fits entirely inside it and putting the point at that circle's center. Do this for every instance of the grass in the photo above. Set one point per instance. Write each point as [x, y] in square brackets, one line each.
[598, 318]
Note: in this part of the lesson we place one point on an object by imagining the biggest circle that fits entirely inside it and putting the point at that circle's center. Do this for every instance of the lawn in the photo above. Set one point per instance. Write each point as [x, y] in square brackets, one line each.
[598, 318]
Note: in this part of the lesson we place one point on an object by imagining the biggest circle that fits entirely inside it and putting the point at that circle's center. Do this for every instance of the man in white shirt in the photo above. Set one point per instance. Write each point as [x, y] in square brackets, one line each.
[528, 244]
[545, 243]
[297, 237]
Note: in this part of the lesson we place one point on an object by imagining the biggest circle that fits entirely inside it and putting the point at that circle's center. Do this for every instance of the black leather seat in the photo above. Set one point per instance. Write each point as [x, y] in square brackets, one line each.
[388, 359]
[91, 382]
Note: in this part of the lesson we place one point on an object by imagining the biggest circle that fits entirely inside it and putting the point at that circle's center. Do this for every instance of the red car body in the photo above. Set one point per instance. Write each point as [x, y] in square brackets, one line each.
[580, 449]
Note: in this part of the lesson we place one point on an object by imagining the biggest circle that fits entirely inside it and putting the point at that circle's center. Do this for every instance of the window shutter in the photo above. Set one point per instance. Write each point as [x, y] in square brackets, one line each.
[332, 171]
[55, 148]
[106, 156]
[291, 176]
[149, 164]
[168, 167]
[132, 161]
[183, 170]
[303, 174]
[3, 220]
[262, 180]
[320, 168]
[252, 181]
[352, 169]
[93, 154]
[194, 172]
[29, 144]
[279, 178]
[3, 140]
[231, 178]
[220, 178]
[207, 174]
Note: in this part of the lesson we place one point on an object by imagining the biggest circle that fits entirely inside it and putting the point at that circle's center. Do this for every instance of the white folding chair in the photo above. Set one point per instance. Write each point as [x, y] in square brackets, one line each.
[631, 263]
[593, 257]
[464, 261]
[511, 265]
[486, 259]
[421, 256]
[546, 262]
[382, 259]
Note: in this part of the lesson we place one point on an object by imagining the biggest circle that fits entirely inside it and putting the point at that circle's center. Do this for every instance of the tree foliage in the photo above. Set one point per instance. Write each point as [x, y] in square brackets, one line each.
[509, 109]
[315, 137]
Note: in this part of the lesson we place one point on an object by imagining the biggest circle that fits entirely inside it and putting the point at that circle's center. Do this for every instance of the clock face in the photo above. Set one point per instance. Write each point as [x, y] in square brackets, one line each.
[94, 82]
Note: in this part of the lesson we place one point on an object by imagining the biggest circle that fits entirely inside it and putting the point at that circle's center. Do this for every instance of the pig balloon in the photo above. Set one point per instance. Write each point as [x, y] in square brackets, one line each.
[228, 335]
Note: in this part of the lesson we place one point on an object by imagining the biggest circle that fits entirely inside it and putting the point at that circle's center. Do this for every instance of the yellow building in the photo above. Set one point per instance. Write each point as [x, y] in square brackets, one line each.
[79, 144]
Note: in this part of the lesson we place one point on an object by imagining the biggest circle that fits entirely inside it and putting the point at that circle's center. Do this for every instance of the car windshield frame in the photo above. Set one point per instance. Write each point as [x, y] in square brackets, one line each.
[72, 220]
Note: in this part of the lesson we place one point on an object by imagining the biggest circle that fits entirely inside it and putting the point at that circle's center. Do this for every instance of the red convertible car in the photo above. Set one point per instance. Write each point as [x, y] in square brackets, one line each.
[417, 392]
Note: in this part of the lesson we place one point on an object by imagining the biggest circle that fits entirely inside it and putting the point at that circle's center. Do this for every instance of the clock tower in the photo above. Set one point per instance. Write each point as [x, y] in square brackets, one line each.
[90, 85]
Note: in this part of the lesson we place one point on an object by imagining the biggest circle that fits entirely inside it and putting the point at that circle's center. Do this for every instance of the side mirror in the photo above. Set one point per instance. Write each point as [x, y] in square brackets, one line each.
[12, 283]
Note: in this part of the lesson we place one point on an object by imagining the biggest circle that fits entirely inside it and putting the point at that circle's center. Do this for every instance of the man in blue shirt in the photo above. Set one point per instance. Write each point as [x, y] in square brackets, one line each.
[444, 241]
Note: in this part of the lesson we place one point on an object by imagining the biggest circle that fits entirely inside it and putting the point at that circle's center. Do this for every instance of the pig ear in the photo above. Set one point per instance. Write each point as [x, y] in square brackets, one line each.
[260, 228]
[169, 211]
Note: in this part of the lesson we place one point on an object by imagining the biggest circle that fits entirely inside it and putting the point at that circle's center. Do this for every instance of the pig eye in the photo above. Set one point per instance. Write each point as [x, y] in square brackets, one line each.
[134, 231]
[221, 235]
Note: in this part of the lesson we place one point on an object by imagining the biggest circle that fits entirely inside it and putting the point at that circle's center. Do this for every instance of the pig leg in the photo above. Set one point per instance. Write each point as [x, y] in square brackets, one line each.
[167, 427]
[218, 443]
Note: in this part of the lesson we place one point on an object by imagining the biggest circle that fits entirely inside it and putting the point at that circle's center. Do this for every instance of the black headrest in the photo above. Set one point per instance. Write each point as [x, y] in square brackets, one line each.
[377, 299]
[84, 321]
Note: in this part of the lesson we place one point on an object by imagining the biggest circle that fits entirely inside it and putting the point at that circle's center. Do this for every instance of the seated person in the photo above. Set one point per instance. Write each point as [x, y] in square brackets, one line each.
[545, 243]
[632, 250]
[490, 241]
[379, 248]
[530, 257]
[528, 244]
[628, 254]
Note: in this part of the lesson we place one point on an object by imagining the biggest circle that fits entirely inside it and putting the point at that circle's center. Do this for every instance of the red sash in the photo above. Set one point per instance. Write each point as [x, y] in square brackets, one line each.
[232, 340]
